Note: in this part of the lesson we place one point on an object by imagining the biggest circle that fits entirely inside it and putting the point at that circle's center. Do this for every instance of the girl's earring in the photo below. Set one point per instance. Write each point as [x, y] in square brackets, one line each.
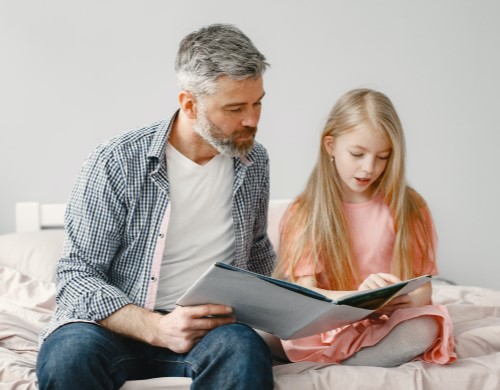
[333, 159]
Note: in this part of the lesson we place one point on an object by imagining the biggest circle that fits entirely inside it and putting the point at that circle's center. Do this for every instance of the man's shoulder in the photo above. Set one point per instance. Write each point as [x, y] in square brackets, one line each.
[131, 142]
[138, 136]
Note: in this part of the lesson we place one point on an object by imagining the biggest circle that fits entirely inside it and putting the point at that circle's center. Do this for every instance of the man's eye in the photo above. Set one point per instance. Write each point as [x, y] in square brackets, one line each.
[236, 109]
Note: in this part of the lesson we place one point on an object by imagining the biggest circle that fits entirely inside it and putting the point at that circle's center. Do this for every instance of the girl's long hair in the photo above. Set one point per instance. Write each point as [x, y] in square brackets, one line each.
[315, 226]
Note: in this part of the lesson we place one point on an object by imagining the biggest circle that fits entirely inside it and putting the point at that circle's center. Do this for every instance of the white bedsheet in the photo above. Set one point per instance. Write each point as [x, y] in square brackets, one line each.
[26, 305]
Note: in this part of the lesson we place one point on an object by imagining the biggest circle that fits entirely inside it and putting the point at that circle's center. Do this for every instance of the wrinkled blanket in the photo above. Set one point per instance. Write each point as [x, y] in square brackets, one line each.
[27, 304]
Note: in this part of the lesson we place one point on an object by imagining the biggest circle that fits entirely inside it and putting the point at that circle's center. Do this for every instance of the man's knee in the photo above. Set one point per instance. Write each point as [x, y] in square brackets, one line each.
[235, 356]
[77, 355]
[69, 347]
[239, 339]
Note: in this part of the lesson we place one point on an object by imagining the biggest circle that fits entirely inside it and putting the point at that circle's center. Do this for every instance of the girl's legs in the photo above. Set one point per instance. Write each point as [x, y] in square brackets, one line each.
[405, 342]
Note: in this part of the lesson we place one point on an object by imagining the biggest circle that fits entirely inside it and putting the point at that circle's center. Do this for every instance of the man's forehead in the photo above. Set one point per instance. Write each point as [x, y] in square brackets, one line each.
[237, 92]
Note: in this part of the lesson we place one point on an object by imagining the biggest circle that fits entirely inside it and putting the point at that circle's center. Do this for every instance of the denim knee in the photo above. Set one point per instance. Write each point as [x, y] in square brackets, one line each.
[231, 357]
[70, 352]
[238, 339]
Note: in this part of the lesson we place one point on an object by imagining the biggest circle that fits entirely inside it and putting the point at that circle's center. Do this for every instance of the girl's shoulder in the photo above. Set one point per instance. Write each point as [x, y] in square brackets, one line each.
[415, 198]
[296, 216]
[295, 206]
[415, 194]
[290, 213]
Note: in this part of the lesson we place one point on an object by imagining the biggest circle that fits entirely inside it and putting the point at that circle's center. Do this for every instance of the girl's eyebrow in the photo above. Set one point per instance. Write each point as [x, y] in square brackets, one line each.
[364, 149]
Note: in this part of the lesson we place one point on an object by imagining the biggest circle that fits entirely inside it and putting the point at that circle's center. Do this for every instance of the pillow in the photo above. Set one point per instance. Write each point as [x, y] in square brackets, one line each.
[34, 254]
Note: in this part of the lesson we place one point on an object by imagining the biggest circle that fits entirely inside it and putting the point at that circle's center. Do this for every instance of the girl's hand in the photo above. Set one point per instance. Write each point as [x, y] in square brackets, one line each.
[378, 280]
[417, 298]
[402, 302]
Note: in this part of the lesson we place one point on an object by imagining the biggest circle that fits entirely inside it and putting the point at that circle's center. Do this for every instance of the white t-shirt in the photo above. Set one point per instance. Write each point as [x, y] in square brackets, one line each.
[200, 229]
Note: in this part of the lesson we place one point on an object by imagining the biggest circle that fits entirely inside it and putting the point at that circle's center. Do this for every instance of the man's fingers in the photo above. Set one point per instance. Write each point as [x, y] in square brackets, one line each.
[207, 317]
[210, 310]
[208, 323]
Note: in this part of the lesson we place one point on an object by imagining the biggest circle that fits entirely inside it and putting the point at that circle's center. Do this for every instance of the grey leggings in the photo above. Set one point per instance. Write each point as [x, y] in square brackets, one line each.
[405, 342]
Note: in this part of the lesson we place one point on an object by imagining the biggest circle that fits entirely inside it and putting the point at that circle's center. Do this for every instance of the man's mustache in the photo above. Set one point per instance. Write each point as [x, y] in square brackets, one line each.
[246, 131]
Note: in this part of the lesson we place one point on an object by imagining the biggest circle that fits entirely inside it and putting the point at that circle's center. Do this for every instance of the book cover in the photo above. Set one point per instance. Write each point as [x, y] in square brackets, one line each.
[285, 309]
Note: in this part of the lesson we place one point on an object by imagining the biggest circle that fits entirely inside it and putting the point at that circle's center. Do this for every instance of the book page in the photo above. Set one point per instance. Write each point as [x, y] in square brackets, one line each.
[376, 298]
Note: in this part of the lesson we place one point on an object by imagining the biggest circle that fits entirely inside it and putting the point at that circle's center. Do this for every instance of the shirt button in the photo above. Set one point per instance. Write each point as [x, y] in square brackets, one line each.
[161, 235]
[153, 278]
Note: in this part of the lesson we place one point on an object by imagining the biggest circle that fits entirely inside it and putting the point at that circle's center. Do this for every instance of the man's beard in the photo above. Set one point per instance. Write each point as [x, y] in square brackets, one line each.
[227, 145]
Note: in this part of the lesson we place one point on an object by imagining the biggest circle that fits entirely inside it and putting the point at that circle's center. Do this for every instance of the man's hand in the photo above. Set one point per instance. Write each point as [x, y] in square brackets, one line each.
[181, 329]
[178, 331]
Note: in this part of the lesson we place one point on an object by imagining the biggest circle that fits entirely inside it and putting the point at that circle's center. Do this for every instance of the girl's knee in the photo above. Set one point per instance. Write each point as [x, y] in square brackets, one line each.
[423, 330]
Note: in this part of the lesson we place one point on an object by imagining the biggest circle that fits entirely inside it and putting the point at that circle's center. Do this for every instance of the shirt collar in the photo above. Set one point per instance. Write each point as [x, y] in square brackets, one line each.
[159, 143]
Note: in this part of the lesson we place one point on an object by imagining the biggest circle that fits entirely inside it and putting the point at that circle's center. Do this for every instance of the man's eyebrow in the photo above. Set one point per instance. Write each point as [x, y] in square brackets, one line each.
[235, 104]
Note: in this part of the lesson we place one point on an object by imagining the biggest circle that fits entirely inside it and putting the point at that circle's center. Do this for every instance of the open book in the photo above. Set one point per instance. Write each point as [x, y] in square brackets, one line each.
[285, 309]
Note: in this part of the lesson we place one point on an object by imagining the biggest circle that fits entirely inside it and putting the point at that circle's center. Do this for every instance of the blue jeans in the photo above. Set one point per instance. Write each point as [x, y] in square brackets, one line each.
[87, 356]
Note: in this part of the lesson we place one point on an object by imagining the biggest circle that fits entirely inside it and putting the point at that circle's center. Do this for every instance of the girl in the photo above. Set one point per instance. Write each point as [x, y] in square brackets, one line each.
[358, 225]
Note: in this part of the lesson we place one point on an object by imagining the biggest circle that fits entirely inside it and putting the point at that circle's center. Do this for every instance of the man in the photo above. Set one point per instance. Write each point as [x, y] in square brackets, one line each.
[150, 212]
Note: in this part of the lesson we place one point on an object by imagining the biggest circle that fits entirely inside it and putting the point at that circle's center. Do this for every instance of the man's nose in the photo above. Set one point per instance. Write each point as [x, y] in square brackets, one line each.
[251, 118]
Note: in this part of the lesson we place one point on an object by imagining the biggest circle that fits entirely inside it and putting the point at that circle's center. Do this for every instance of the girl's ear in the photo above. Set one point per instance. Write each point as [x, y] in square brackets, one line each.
[329, 144]
[188, 104]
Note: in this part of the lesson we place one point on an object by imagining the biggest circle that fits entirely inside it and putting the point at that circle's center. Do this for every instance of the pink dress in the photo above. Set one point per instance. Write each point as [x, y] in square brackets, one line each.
[372, 234]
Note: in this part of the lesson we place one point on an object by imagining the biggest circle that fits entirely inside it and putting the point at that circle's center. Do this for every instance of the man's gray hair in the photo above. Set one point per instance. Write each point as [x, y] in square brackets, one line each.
[214, 51]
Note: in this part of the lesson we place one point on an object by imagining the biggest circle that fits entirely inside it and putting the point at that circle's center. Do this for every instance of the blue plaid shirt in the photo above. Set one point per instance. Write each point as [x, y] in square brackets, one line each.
[117, 221]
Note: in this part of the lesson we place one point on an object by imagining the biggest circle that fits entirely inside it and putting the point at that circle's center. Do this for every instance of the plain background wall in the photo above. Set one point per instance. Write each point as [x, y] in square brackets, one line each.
[73, 74]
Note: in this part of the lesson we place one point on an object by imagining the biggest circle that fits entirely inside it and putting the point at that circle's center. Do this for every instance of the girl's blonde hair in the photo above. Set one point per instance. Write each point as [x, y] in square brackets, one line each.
[316, 226]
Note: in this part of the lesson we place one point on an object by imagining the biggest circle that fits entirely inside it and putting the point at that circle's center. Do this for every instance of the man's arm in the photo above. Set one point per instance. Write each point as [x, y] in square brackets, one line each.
[178, 331]
[94, 221]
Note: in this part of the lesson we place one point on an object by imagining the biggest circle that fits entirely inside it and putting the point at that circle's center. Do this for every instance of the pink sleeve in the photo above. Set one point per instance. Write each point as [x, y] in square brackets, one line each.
[304, 266]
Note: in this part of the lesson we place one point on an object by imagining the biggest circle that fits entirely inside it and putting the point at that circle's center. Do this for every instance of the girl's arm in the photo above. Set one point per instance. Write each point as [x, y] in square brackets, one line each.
[420, 297]
[417, 298]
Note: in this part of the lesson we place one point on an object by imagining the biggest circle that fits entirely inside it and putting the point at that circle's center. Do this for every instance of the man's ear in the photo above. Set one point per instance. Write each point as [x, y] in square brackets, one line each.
[188, 103]
[329, 144]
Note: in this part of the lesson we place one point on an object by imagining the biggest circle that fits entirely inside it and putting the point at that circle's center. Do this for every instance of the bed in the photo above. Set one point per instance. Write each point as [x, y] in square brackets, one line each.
[27, 262]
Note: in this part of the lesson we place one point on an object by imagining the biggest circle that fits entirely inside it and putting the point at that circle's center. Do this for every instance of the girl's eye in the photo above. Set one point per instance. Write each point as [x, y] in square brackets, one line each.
[384, 157]
[356, 155]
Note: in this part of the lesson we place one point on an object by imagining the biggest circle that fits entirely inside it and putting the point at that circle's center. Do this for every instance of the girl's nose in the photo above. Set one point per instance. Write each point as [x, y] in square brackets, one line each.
[369, 165]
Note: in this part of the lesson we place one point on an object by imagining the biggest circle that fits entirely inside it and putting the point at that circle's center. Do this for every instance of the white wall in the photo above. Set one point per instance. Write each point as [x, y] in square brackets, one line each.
[75, 73]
